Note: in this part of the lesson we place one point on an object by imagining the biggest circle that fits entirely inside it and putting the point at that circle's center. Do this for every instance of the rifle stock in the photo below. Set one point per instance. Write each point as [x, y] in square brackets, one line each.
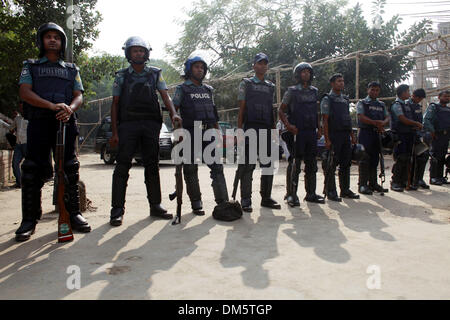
[65, 233]
[382, 175]
[330, 160]
[178, 188]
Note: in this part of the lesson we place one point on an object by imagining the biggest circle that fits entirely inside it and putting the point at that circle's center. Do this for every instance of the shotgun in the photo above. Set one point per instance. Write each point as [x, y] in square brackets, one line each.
[64, 228]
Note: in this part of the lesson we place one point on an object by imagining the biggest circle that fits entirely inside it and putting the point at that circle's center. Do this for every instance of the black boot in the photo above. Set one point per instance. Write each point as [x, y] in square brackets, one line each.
[310, 187]
[77, 221]
[288, 180]
[153, 185]
[31, 200]
[373, 184]
[119, 189]
[292, 199]
[219, 184]
[246, 187]
[116, 218]
[364, 178]
[266, 191]
[419, 170]
[399, 171]
[193, 188]
[344, 184]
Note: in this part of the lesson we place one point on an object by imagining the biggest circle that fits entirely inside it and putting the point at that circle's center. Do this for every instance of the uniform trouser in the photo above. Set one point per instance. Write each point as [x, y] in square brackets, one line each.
[368, 165]
[132, 134]
[402, 158]
[216, 173]
[438, 152]
[41, 141]
[305, 149]
[253, 154]
[19, 155]
[342, 147]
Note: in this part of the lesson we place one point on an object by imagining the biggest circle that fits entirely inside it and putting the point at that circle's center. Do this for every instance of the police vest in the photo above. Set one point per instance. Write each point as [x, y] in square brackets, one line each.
[138, 99]
[442, 118]
[416, 111]
[197, 105]
[396, 124]
[259, 102]
[374, 110]
[51, 82]
[339, 118]
[303, 108]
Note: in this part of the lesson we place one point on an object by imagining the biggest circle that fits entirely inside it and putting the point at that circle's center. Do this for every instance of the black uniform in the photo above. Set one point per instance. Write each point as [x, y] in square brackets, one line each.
[303, 113]
[53, 82]
[339, 132]
[420, 161]
[259, 117]
[196, 105]
[139, 123]
[437, 120]
[402, 151]
[369, 138]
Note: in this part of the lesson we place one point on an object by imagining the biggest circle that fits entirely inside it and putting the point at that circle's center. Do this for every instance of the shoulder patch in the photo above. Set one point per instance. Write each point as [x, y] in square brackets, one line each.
[270, 83]
[154, 69]
[31, 61]
[210, 88]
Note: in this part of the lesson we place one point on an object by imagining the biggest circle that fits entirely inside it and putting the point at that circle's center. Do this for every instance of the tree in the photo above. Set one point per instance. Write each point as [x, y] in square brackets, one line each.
[19, 20]
[291, 31]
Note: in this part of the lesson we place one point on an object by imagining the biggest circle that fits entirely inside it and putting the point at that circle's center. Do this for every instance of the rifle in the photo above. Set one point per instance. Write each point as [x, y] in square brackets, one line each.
[178, 187]
[237, 177]
[64, 228]
[411, 165]
[330, 160]
[382, 173]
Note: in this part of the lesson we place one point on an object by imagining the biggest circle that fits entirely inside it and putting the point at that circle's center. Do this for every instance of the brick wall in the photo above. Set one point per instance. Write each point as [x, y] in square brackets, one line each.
[6, 173]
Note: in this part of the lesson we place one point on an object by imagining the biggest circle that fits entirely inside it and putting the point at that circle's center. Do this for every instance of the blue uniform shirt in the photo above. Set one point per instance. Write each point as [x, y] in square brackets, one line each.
[118, 81]
[25, 76]
[396, 109]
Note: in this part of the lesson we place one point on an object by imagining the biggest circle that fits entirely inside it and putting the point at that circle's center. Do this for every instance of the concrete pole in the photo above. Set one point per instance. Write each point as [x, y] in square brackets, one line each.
[357, 78]
[278, 80]
[69, 51]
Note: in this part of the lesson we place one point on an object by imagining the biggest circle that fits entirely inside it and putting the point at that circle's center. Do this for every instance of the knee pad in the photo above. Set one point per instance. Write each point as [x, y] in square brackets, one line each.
[31, 173]
[71, 168]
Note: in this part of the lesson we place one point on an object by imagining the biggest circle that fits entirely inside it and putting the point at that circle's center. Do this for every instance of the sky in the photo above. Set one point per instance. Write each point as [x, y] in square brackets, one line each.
[155, 21]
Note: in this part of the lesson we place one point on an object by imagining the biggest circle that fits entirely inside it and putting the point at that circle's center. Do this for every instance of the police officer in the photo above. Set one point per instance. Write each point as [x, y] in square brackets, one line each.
[437, 121]
[372, 118]
[339, 137]
[52, 91]
[404, 125]
[256, 113]
[194, 100]
[300, 102]
[420, 161]
[136, 119]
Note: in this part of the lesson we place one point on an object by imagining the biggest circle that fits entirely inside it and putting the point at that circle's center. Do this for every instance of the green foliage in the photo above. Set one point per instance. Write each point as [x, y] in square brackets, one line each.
[19, 20]
[291, 31]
